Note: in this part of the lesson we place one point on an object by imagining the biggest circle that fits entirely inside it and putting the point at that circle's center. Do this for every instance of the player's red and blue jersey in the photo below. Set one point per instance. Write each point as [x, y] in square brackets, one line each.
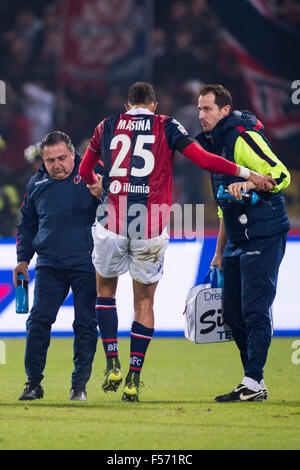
[137, 151]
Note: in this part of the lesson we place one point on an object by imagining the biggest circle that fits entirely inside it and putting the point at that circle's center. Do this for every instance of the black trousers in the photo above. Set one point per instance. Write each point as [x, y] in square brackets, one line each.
[51, 288]
[250, 281]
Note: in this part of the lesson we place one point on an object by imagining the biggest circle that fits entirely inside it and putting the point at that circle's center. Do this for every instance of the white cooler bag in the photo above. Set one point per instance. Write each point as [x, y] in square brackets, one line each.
[204, 321]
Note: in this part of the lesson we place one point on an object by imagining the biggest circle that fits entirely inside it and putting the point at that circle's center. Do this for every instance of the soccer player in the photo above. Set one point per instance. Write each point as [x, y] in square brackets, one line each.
[137, 149]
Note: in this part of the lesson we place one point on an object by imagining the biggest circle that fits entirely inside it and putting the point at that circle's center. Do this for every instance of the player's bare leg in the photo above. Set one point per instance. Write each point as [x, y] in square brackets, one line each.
[106, 286]
[107, 318]
[143, 295]
[141, 335]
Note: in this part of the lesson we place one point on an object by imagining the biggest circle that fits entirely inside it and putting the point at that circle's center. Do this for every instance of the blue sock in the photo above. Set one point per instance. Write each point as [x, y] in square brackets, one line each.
[107, 318]
[139, 341]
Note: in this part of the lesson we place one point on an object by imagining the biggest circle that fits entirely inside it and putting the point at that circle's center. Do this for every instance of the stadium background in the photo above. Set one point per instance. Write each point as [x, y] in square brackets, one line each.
[67, 64]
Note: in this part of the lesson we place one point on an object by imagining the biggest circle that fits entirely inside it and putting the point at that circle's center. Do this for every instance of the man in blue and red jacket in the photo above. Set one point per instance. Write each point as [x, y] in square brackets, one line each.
[56, 219]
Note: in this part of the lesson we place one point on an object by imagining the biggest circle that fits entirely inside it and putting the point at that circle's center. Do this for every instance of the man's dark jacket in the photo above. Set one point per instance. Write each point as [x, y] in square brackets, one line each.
[265, 219]
[56, 220]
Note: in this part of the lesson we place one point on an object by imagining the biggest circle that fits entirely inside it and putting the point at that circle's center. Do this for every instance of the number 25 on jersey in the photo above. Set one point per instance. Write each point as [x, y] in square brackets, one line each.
[139, 150]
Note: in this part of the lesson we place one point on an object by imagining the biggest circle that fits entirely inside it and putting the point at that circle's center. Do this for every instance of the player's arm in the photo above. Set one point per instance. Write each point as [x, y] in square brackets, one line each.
[215, 164]
[252, 150]
[220, 246]
[91, 156]
[26, 231]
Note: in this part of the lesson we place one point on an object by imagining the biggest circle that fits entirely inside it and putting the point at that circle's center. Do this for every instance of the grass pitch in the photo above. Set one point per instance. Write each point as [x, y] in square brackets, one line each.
[176, 411]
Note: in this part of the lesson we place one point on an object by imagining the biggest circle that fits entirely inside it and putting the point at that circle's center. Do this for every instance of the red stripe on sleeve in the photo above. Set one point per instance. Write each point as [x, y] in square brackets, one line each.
[86, 168]
[91, 157]
[209, 161]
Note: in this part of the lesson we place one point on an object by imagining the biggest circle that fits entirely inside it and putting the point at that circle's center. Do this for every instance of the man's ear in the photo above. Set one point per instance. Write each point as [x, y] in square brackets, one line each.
[153, 107]
[127, 107]
[226, 109]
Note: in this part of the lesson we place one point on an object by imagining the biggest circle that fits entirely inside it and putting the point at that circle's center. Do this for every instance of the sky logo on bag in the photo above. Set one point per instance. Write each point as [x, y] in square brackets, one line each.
[213, 319]
[213, 324]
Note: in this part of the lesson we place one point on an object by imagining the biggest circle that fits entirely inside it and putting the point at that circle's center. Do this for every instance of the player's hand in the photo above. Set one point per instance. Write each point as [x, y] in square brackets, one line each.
[217, 261]
[262, 182]
[21, 268]
[236, 189]
[96, 188]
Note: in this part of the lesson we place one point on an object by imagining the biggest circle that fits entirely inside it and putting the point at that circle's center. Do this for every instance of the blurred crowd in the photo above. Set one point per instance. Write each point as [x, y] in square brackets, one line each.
[186, 50]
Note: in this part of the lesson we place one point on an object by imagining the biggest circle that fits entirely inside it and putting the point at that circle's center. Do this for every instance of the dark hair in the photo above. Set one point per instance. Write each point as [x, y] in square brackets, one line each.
[141, 93]
[222, 95]
[54, 138]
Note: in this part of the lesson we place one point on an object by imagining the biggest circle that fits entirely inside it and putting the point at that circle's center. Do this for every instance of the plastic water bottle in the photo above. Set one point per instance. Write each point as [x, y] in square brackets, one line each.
[22, 294]
[249, 198]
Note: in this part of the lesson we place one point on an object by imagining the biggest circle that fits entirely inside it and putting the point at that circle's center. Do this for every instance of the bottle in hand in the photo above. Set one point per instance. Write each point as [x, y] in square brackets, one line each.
[22, 294]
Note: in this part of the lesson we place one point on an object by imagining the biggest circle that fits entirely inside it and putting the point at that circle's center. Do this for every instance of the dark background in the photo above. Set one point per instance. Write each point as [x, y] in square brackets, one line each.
[183, 46]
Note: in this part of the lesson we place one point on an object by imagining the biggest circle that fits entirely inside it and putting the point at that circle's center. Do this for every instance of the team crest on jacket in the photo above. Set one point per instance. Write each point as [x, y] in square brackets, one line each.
[77, 179]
